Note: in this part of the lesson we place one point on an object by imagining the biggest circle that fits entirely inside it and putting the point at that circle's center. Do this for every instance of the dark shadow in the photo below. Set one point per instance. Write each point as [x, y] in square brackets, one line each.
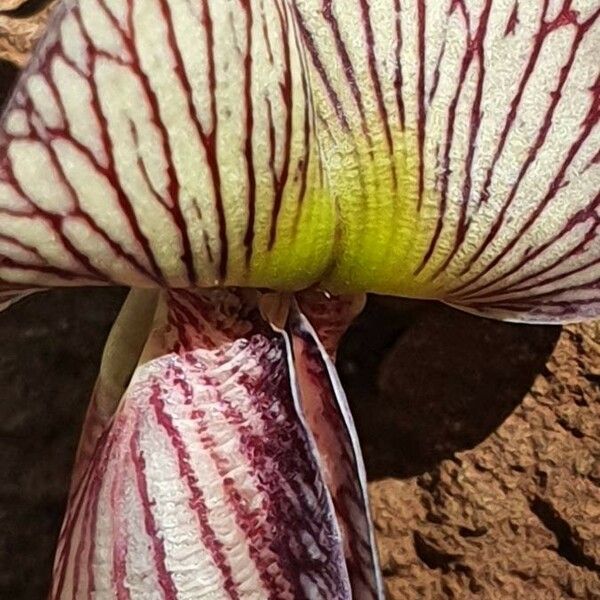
[51, 348]
[26, 9]
[426, 381]
[8, 76]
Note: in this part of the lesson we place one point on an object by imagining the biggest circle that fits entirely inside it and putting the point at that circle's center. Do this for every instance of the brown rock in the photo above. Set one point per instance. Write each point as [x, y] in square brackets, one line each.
[19, 33]
[495, 504]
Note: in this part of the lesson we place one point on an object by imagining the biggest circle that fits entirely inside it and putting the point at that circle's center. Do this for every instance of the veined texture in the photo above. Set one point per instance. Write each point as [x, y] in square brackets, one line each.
[444, 149]
[212, 480]
[462, 144]
[165, 141]
[330, 420]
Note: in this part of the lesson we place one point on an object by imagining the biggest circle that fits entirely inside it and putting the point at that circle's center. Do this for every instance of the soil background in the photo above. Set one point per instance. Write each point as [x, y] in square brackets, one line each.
[482, 443]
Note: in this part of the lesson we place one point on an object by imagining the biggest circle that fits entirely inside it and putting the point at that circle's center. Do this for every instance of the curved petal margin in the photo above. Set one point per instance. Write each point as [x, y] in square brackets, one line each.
[330, 420]
[208, 482]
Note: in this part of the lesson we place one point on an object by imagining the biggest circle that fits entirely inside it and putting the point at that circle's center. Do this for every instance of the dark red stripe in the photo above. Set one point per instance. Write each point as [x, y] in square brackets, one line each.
[436, 72]
[538, 143]
[249, 137]
[211, 140]
[10, 263]
[347, 66]
[287, 97]
[422, 114]
[475, 51]
[539, 302]
[22, 245]
[159, 555]
[513, 20]
[173, 186]
[309, 120]
[55, 222]
[553, 279]
[266, 35]
[554, 187]
[111, 172]
[197, 501]
[318, 64]
[399, 79]
[383, 114]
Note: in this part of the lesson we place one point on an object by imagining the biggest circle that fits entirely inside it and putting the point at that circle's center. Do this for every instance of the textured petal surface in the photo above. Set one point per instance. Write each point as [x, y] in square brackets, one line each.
[155, 141]
[462, 139]
[217, 475]
[329, 418]
[443, 149]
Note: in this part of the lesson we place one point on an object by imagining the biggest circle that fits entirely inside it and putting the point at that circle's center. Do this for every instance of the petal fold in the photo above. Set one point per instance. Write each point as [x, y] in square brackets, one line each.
[328, 415]
[435, 150]
[216, 476]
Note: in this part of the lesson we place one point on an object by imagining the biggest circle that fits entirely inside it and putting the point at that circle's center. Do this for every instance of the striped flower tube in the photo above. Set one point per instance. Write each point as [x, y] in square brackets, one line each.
[207, 478]
[251, 168]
